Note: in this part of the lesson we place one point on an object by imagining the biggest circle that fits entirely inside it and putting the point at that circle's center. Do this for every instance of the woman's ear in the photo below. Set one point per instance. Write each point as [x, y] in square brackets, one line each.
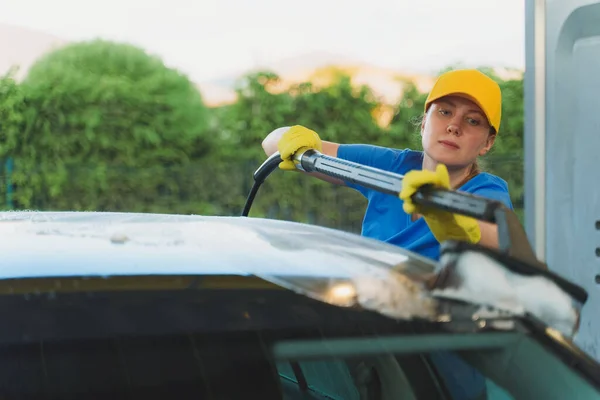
[489, 143]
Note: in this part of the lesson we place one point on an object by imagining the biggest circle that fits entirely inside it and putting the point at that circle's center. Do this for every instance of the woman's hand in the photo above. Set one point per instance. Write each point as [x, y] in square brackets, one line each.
[294, 139]
[443, 224]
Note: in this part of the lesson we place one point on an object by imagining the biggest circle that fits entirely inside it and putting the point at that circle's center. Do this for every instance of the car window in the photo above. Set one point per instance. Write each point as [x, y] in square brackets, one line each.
[222, 343]
[185, 367]
[509, 366]
[407, 377]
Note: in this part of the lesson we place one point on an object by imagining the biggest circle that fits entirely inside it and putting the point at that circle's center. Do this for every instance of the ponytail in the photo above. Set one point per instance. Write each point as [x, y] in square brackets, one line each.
[475, 170]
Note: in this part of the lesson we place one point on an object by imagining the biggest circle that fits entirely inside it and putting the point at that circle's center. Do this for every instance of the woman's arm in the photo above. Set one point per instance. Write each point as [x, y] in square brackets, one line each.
[489, 231]
[489, 234]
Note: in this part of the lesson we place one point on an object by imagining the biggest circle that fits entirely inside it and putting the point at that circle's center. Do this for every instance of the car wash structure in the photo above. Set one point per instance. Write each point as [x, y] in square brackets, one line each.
[562, 146]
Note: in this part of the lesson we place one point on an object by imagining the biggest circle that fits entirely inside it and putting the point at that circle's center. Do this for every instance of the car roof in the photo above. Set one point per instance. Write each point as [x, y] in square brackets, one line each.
[54, 244]
[333, 266]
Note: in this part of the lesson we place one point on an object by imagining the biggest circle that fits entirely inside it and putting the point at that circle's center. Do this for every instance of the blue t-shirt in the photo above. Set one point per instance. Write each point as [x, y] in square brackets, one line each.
[385, 219]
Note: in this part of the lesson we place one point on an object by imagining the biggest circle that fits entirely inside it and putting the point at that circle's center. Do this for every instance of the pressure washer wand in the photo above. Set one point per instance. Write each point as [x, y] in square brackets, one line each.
[512, 238]
[310, 160]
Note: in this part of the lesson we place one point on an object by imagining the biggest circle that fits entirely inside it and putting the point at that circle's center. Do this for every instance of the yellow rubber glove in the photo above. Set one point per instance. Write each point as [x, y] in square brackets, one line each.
[293, 140]
[443, 224]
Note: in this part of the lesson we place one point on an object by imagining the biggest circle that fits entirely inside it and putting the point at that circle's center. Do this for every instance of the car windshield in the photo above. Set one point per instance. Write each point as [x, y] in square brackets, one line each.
[498, 367]
[228, 337]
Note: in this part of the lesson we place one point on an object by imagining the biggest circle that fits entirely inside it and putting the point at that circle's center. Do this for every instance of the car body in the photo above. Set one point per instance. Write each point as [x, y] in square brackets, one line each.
[128, 305]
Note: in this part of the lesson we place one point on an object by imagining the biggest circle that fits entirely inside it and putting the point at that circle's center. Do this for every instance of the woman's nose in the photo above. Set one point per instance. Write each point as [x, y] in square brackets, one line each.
[453, 129]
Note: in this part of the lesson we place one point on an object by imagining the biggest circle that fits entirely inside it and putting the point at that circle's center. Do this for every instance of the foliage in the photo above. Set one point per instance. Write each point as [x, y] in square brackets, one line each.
[11, 122]
[338, 111]
[102, 126]
[406, 122]
[11, 111]
[506, 157]
[94, 109]
[257, 111]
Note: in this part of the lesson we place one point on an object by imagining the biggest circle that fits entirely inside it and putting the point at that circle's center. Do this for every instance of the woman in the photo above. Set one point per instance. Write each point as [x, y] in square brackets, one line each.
[461, 121]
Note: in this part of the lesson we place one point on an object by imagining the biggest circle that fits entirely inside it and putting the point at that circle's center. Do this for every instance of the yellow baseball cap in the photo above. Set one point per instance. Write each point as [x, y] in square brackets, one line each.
[482, 89]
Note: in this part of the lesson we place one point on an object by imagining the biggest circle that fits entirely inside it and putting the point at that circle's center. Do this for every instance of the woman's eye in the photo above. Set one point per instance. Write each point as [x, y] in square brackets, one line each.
[444, 112]
[473, 122]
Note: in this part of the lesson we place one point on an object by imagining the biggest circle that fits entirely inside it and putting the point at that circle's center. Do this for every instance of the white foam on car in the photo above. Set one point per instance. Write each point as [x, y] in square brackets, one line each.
[395, 295]
[485, 281]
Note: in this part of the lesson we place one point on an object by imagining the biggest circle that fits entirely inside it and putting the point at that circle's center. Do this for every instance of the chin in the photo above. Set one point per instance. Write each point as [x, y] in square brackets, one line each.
[444, 157]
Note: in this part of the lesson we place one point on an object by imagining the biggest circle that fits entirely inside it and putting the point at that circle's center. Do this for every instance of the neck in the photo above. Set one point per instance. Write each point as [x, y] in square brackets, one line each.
[457, 175]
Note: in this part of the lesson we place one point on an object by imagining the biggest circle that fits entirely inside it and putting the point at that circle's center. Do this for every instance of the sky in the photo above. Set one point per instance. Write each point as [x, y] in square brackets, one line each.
[208, 39]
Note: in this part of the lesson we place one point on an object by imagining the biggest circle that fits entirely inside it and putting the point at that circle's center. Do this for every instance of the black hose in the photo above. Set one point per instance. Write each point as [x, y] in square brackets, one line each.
[250, 198]
[260, 175]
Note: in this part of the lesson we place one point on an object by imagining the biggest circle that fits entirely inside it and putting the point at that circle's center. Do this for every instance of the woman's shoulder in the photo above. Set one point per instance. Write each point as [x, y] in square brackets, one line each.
[486, 179]
[490, 186]
[407, 160]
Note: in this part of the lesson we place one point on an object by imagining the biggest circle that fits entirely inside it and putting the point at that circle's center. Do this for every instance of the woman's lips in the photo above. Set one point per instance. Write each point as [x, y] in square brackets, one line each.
[449, 144]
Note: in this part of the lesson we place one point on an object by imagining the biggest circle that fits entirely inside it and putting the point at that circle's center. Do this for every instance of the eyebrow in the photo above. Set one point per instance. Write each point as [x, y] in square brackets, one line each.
[454, 105]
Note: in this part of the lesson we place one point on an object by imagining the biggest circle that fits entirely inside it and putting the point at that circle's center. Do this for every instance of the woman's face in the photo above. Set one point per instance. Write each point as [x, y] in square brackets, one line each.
[455, 132]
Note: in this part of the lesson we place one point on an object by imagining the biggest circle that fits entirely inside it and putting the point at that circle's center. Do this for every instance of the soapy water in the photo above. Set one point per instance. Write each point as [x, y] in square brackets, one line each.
[477, 279]
[244, 235]
[483, 280]
[260, 246]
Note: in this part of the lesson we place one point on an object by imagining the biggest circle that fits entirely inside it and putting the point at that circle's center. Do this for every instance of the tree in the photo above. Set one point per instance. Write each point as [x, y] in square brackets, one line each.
[259, 109]
[406, 122]
[337, 110]
[104, 124]
[11, 122]
[506, 157]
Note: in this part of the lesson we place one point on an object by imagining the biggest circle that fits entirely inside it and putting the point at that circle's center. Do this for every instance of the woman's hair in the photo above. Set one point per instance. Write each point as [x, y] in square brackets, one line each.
[475, 170]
